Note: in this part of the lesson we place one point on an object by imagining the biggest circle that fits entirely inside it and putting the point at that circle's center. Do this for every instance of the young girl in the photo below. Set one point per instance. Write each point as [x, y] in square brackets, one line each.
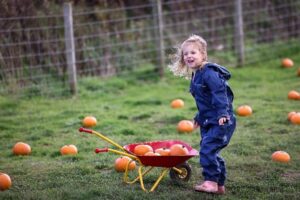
[215, 116]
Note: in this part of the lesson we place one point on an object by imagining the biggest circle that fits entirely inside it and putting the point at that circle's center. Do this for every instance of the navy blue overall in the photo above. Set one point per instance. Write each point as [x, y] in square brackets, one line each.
[214, 99]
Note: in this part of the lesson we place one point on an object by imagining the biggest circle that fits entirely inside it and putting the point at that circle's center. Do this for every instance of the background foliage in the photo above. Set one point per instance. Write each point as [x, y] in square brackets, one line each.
[116, 37]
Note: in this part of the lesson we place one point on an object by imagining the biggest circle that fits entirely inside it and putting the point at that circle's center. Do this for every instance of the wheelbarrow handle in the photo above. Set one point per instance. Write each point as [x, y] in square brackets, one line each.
[97, 150]
[81, 129]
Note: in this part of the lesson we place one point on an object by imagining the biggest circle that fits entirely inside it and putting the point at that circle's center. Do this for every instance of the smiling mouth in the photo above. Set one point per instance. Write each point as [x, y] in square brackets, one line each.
[190, 61]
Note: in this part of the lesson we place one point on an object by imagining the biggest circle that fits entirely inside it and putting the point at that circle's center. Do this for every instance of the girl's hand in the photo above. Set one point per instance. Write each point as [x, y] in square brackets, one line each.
[223, 120]
[196, 125]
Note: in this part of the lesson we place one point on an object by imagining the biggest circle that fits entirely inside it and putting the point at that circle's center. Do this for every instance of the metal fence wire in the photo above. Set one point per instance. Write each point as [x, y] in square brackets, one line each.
[116, 37]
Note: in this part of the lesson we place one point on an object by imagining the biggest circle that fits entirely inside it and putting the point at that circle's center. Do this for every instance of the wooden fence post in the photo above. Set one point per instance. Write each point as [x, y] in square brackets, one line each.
[70, 47]
[158, 21]
[239, 33]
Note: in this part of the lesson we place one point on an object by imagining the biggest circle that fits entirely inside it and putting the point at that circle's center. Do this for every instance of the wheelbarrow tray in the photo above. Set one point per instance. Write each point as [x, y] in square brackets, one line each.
[162, 161]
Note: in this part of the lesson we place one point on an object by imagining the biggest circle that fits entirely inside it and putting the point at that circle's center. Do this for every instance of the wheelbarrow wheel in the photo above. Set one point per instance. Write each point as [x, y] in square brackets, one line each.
[185, 174]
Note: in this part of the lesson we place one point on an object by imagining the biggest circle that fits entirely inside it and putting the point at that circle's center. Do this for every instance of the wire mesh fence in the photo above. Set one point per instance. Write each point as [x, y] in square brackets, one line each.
[119, 37]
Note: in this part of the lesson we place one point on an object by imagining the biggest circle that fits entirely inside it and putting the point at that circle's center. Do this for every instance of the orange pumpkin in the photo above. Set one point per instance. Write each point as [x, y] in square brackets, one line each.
[163, 151]
[185, 126]
[295, 118]
[294, 95]
[281, 156]
[69, 150]
[177, 103]
[89, 121]
[122, 162]
[178, 150]
[287, 63]
[151, 153]
[244, 110]
[142, 149]
[291, 114]
[5, 181]
[21, 148]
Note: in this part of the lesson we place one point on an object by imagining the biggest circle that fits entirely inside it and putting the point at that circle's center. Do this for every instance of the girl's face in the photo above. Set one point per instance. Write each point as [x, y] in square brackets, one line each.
[192, 56]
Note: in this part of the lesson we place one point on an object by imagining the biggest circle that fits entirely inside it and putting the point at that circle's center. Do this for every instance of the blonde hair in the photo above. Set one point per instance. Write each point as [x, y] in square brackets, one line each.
[177, 65]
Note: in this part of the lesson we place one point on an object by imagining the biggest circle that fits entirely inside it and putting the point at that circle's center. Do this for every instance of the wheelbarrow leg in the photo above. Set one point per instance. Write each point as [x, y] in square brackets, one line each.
[163, 173]
[141, 179]
[126, 180]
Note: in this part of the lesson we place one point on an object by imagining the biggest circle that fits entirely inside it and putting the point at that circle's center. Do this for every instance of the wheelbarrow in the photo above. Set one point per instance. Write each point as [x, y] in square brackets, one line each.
[179, 170]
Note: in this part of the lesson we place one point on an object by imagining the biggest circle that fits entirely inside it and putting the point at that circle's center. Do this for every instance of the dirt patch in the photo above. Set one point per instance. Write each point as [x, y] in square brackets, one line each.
[291, 176]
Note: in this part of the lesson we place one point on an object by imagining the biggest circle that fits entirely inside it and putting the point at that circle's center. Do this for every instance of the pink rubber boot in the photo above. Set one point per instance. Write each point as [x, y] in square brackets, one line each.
[208, 186]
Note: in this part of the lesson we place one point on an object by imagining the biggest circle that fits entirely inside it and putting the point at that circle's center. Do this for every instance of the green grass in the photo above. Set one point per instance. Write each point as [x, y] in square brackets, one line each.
[135, 108]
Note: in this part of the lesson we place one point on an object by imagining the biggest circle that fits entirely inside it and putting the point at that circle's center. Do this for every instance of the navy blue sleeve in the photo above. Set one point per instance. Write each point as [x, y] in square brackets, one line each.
[217, 87]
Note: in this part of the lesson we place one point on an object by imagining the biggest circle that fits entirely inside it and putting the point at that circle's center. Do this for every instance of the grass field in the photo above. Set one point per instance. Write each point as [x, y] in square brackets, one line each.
[136, 108]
